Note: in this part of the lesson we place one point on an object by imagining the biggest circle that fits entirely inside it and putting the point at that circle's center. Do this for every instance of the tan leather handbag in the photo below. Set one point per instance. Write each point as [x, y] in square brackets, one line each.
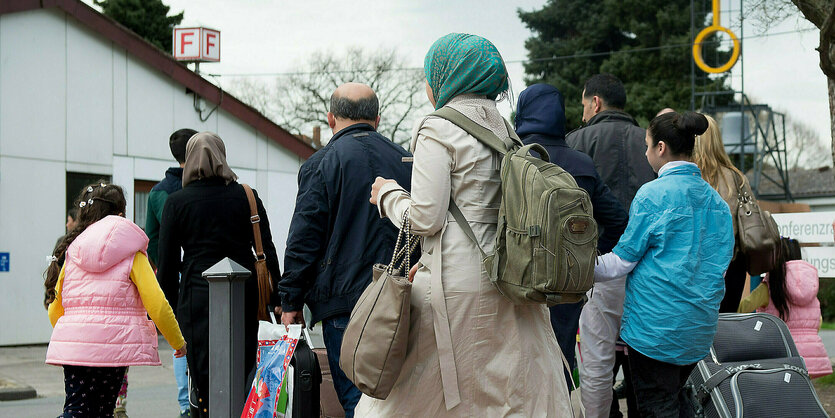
[374, 343]
[759, 238]
[264, 280]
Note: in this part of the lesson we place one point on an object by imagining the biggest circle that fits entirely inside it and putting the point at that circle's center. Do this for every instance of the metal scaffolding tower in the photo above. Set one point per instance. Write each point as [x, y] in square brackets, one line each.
[754, 134]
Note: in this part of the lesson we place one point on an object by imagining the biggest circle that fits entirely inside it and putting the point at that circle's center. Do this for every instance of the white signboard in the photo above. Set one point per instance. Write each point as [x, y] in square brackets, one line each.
[196, 44]
[823, 258]
[806, 227]
[811, 228]
[210, 45]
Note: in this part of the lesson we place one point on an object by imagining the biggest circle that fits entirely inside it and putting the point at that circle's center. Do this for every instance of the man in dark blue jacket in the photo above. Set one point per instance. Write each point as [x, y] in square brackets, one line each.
[540, 118]
[335, 234]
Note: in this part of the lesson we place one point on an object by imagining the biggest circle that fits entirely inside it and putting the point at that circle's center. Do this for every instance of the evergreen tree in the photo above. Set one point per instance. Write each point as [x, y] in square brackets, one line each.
[148, 18]
[598, 36]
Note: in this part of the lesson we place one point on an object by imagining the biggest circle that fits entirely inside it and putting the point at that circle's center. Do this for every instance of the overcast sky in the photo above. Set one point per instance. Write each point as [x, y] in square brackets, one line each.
[270, 36]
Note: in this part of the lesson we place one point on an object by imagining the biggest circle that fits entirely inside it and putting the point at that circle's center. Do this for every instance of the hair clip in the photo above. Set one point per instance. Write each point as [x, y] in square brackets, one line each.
[103, 185]
[51, 259]
[82, 204]
[89, 189]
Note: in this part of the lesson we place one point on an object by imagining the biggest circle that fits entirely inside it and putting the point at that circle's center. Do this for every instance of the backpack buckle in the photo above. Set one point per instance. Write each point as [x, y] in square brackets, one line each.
[534, 231]
[255, 219]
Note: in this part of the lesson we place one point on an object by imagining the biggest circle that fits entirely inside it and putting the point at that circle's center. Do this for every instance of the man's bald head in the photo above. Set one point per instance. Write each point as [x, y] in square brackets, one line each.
[354, 101]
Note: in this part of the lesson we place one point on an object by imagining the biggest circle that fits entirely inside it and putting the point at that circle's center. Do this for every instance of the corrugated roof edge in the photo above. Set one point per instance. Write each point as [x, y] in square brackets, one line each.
[166, 64]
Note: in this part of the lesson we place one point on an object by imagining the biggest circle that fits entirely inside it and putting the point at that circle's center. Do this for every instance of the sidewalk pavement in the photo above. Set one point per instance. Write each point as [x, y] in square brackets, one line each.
[152, 391]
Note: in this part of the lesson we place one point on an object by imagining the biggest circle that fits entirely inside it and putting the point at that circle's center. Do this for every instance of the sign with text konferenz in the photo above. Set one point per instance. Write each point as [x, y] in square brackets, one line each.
[811, 228]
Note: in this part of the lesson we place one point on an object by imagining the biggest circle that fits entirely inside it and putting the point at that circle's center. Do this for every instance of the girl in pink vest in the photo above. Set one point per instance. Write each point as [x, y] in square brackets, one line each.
[790, 292]
[104, 293]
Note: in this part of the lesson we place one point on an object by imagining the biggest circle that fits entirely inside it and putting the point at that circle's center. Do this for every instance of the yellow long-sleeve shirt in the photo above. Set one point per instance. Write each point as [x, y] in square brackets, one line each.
[757, 299]
[142, 275]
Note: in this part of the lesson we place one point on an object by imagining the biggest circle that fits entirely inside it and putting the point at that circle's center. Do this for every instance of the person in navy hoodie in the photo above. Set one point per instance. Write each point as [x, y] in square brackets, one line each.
[540, 118]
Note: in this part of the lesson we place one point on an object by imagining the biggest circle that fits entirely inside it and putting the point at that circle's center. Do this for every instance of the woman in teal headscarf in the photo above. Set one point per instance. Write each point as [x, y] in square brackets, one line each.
[471, 351]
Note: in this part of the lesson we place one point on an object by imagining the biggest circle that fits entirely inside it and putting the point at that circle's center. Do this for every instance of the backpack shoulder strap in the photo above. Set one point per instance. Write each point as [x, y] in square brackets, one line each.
[465, 225]
[484, 135]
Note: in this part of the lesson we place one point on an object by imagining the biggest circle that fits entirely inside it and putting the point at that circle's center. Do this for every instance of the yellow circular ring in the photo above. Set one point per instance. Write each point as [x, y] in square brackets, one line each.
[697, 50]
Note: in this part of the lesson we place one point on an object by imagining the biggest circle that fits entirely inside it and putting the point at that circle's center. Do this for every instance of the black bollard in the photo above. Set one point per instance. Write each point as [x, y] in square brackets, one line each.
[226, 335]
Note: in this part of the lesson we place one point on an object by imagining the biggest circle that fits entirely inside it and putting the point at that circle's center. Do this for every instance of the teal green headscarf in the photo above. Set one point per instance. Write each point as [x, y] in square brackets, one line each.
[459, 63]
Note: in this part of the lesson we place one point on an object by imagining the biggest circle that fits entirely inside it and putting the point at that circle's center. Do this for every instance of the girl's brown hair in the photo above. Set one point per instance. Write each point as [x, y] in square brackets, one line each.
[709, 154]
[94, 203]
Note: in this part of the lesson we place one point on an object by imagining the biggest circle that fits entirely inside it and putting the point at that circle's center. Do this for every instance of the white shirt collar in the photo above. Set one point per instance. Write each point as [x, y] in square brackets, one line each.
[673, 164]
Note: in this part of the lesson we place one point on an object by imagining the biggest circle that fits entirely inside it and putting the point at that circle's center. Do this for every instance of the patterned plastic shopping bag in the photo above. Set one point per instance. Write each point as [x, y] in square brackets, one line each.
[276, 344]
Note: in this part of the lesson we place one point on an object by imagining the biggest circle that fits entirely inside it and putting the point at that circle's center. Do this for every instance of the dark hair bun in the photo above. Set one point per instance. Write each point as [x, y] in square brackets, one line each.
[690, 123]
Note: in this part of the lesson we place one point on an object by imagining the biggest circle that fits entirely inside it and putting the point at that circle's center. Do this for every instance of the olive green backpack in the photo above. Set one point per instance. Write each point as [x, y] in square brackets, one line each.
[546, 240]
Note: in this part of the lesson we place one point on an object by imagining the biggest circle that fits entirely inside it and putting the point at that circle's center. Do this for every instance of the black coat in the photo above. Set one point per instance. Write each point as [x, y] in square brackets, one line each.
[617, 145]
[609, 214]
[209, 220]
[336, 234]
[540, 118]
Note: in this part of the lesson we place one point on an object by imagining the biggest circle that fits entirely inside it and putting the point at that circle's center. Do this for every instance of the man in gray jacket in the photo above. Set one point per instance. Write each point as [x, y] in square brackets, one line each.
[612, 138]
[616, 144]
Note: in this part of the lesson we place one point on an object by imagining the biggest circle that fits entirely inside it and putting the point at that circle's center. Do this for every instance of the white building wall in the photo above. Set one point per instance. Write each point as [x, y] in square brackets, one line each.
[89, 89]
[72, 101]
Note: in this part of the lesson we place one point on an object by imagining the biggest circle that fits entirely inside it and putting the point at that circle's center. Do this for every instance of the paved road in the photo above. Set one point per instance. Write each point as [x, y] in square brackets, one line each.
[828, 337]
[152, 391]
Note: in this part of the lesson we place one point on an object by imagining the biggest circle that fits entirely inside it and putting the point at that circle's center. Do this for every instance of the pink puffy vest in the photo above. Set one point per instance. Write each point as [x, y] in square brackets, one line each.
[804, 315]
[104, 322]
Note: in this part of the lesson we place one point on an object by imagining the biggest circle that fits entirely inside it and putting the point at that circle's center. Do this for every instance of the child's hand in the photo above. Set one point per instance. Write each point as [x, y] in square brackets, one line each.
[181, 352]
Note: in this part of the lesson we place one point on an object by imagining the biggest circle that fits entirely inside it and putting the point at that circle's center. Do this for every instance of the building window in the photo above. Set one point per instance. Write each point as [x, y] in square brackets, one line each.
[141, 190]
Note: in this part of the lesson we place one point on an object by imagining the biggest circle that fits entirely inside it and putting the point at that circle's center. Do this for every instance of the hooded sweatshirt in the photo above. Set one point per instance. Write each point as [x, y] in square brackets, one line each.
[540, 118]
[104, 294]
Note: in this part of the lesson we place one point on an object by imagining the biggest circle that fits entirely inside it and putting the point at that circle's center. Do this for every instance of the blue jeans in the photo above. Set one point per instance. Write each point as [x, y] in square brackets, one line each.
[565, 319]
[180, 367]
[333, 329]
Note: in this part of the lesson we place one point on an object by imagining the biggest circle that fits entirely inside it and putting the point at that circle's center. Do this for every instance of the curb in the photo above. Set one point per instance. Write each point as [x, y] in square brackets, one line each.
[17, 393]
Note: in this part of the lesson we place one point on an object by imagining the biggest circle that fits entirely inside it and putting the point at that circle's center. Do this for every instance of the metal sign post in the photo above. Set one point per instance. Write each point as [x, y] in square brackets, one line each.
[227, 385]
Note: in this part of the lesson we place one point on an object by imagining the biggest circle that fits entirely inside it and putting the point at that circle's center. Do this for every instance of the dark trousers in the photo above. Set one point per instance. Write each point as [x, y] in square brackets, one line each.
[91, 391]
[565, 320]
[622, 360]
[659, 386]
[734, 284]
[333, 329]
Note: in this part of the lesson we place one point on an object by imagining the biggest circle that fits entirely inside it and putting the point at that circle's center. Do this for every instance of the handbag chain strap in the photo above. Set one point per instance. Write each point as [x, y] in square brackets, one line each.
[408, 246]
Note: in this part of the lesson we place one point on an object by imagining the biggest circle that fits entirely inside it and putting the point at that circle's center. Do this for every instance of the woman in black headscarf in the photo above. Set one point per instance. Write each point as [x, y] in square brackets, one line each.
[210, 220]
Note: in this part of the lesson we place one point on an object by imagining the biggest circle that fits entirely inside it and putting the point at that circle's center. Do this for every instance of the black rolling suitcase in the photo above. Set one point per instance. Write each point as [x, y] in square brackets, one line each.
[753, 370]
[306, 380]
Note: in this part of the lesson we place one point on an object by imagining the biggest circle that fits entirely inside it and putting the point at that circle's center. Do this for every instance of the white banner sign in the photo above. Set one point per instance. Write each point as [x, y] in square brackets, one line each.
[806, 227]
[823, 258]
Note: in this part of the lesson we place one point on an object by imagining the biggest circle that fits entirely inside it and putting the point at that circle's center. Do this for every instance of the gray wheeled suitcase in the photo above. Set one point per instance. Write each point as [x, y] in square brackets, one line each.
[753, 370]
[752, 336]
[758, 388]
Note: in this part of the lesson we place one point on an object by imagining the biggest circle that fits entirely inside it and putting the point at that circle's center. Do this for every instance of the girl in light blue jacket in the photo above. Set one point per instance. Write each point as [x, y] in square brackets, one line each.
[676, 248]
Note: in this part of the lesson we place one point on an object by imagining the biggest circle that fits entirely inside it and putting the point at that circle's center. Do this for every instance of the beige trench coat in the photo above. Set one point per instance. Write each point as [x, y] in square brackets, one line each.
[471, 352]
